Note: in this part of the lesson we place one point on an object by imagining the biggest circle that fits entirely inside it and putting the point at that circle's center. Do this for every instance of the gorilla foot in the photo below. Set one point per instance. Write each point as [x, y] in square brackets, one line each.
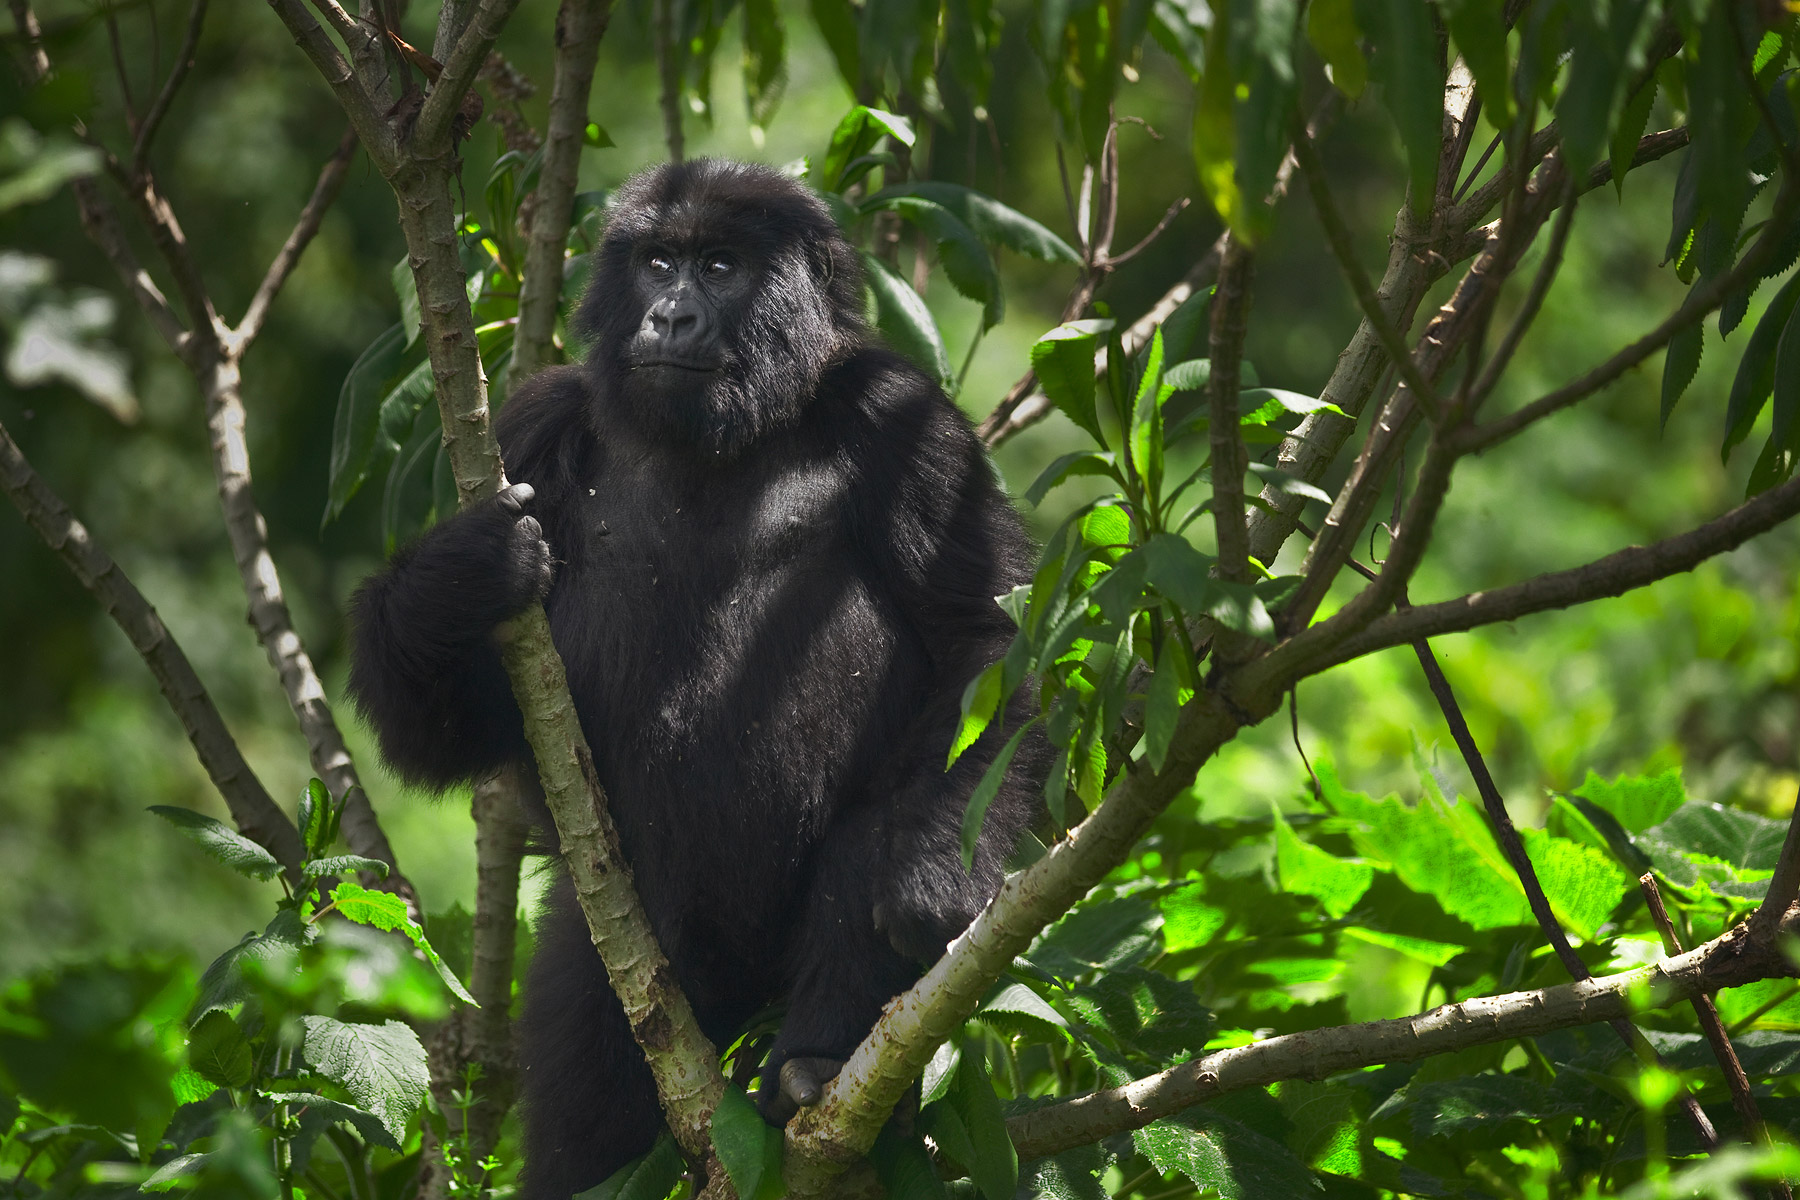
[801, 1082]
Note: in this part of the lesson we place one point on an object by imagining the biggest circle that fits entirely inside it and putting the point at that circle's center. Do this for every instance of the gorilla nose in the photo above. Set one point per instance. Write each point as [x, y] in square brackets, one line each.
[678, 329]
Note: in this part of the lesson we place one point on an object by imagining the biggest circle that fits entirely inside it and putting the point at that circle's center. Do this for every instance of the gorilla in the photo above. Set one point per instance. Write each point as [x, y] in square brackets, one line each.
[769, 550]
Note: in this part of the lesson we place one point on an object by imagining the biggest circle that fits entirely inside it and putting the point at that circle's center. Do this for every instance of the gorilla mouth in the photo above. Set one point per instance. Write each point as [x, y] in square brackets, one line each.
[680, 364]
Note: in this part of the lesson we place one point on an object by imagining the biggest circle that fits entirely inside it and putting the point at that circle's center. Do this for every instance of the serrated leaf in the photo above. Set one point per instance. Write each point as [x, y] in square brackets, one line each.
[749, 1146]
[934, 1083]
[386, 911]
[1306, 870]
[651, 1177]
[218, 1050]
[855, 135]
[1163, 705]
[902, 1166]
[1105, 933]
[340, 864]
[1680, 364]
[980, 699]
[1638, 802]
[966, 261]
[905, 322]
[1081, 462]
[181, 1167]
[381, 1066]
[1231, 1159]
[1633, 120]
[993, 1163]
[1190, 376]
[1755, 379]
[1784, 402]
[1017, 1004]
[317, 819]
[221, 841]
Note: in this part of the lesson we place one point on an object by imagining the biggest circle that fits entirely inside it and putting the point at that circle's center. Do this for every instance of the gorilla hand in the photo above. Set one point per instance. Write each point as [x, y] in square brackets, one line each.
[502, 564]
[801, 1082]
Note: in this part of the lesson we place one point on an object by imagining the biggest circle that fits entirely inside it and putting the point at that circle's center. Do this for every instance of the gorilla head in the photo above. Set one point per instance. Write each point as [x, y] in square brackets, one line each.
[721, 293]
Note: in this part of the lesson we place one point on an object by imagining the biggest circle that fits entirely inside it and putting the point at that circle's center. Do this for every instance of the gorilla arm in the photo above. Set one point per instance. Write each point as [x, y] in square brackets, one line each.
[426, 672]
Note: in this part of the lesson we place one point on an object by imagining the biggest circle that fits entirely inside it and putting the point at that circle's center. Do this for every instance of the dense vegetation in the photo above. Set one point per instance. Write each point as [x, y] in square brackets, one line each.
[1290, 807]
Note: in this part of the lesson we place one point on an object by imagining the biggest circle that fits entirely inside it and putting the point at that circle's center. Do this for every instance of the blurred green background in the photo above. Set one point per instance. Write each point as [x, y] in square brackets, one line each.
[1700, 672]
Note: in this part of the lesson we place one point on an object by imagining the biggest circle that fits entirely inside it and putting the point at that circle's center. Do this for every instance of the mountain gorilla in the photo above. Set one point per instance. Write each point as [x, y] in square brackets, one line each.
[770, 552]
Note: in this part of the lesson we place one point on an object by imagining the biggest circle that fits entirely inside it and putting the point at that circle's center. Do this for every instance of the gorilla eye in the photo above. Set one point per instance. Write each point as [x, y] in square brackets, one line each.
[661, 265]
[719, 265]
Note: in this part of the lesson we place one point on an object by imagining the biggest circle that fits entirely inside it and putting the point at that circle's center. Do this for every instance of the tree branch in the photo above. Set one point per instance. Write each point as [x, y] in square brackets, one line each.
[159, 108]
[1613, 575]
[101, 224]
[431, 133]
[1728, 961]
[1230, 303]
[580, 24]
[255, 813]
[357, 102]
[1784, 886]
[324, 194]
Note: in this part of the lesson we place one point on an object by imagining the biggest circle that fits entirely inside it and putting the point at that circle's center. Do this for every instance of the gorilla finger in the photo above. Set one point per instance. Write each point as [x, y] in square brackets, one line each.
[513, 499]
[530, 529]
[803, 1080]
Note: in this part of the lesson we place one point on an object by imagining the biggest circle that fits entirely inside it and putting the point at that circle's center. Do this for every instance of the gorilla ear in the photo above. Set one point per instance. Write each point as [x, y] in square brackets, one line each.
[823, 256]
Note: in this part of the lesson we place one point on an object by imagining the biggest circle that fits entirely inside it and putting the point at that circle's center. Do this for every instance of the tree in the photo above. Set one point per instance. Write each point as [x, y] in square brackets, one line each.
[1163, 623]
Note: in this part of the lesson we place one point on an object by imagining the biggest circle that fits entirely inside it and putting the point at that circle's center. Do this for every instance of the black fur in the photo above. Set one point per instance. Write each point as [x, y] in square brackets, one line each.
[770, 589]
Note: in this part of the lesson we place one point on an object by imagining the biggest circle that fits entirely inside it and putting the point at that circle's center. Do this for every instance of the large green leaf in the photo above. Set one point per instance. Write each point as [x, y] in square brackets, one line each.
[992, 221]
[356, 426]
[381, 1066]
[986, 790]
[1638, 802]
[749, 1146]
[651, 1177]
[386, 911]
[966, 261]
[905, 322]
[1064, 362]
[1233, 1160]
[1755, 379]
[221, 841]
[1100, 934]
[1405, 63]
[1307, 870]
[219, 1051]
[765, 61]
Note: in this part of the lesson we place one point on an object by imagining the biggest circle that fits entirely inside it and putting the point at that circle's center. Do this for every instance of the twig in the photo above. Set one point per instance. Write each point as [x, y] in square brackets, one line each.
[431, 133]
[1700, 301]
[102, 227]
[324, 194]
[356, 100]
[37, 62]
[1617, 573]
[255, 813]
[1784, 885]
[1230, 303]
[1728, 961]
[1708, 1013]
[1534, 300]
[159, 108]
[580, 24]
[1343, 248]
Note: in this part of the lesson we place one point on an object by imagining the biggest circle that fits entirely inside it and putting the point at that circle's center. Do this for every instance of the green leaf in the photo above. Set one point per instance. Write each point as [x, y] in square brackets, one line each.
[356, 425]
[934, 1083]
[1071, 1175]
[966, 261]
[182, 1166]
[221, 841]
[992, 1163]
[1731, 835]
[1288, 485]
[340, 864]
[1218, 1153]
[1189, 376]
[386, 911]
[1080, 462]
[980, 699]
[381, 1066]
[855, 135]
[1014, 1005]
[1680, 365]
[1755, 379]
[219, 1051]
[1102, 933]
[905, 322]
[1168, 692]
[651, 1177]
[765, 61]
[1602, 39]
[1638, 802]
[336, 1112]
[1479, 30]
[1784, 433]
[992, 221]
[986, 790]
[317, 827]
[1633, 120]
[1189, 921]
[34, 168]
[902, 1166]
[222, 984]
[1307, 870]
[1406, 66]
[1436, 954]
[1146, 1013]
[1064, 361]
[749, 1146]
[1331, 28]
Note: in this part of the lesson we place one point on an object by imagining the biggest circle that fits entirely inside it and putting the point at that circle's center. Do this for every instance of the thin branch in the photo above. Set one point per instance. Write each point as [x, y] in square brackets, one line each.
[668, 72]
[254, 811]
[1700, 301]
[1230, 304]
[102, 226]
[1707, 1012]
[1728, 961]
[324, 194]
[159, 108]
[1534, 301]
[1343, 248]
[1156, 231]
[357, 102]
[1784, 886]
[1613, 575]
[432, 131]
[37, 62]
[580, 24]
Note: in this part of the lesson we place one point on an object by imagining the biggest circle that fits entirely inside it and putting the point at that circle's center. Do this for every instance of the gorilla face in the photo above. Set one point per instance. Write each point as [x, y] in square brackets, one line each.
[721, 293]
